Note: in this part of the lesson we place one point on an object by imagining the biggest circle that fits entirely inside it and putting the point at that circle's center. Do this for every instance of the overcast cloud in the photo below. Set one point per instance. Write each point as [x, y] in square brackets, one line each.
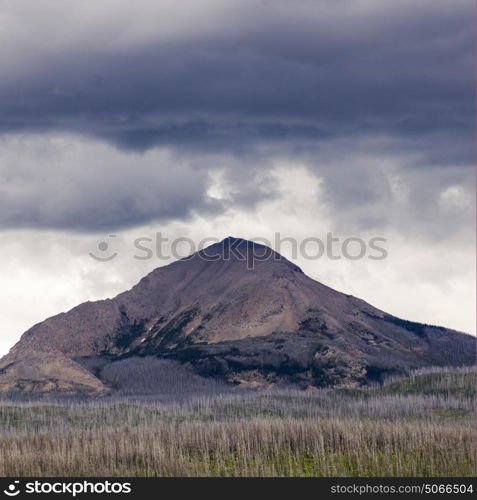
[126, 116]
[148, 74]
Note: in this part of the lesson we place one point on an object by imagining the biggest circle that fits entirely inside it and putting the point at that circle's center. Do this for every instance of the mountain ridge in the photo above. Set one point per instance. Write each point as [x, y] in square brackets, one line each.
[236, 310]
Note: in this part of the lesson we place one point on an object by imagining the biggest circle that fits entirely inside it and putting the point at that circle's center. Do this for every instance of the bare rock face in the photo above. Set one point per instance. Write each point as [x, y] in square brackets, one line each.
[48, 372]
[238, 311]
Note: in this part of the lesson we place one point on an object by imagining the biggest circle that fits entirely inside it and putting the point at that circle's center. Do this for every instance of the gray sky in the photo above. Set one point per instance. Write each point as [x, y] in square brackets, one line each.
[208, 118]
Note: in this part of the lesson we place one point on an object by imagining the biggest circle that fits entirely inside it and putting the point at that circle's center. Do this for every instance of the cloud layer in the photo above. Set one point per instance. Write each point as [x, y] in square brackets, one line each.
[200, 117]
[215, 76]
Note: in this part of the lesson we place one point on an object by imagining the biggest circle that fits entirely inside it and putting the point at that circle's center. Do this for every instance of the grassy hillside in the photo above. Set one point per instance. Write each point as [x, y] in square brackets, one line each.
[439, 383]
[422, 425]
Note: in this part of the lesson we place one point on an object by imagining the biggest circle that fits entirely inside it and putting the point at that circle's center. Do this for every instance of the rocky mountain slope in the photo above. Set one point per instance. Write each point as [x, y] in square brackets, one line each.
[237, 311]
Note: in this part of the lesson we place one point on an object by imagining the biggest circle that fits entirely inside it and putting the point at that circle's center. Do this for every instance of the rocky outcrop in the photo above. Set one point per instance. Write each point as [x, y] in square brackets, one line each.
[48, 373]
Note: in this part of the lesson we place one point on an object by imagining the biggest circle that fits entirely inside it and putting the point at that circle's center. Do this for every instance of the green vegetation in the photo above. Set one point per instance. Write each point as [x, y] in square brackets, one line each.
[422, 425]
[439, 383]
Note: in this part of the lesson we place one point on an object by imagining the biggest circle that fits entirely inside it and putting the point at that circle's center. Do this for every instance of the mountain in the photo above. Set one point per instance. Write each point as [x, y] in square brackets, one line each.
[237, 311]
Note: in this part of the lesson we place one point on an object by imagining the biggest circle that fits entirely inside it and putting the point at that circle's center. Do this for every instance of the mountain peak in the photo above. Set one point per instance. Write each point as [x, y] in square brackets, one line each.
[232, 240]
[250, 252]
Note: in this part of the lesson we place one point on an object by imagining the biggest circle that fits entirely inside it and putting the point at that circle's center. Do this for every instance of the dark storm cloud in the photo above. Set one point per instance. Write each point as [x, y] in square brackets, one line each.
[81, 185]
[404, 71]
[340, 87]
